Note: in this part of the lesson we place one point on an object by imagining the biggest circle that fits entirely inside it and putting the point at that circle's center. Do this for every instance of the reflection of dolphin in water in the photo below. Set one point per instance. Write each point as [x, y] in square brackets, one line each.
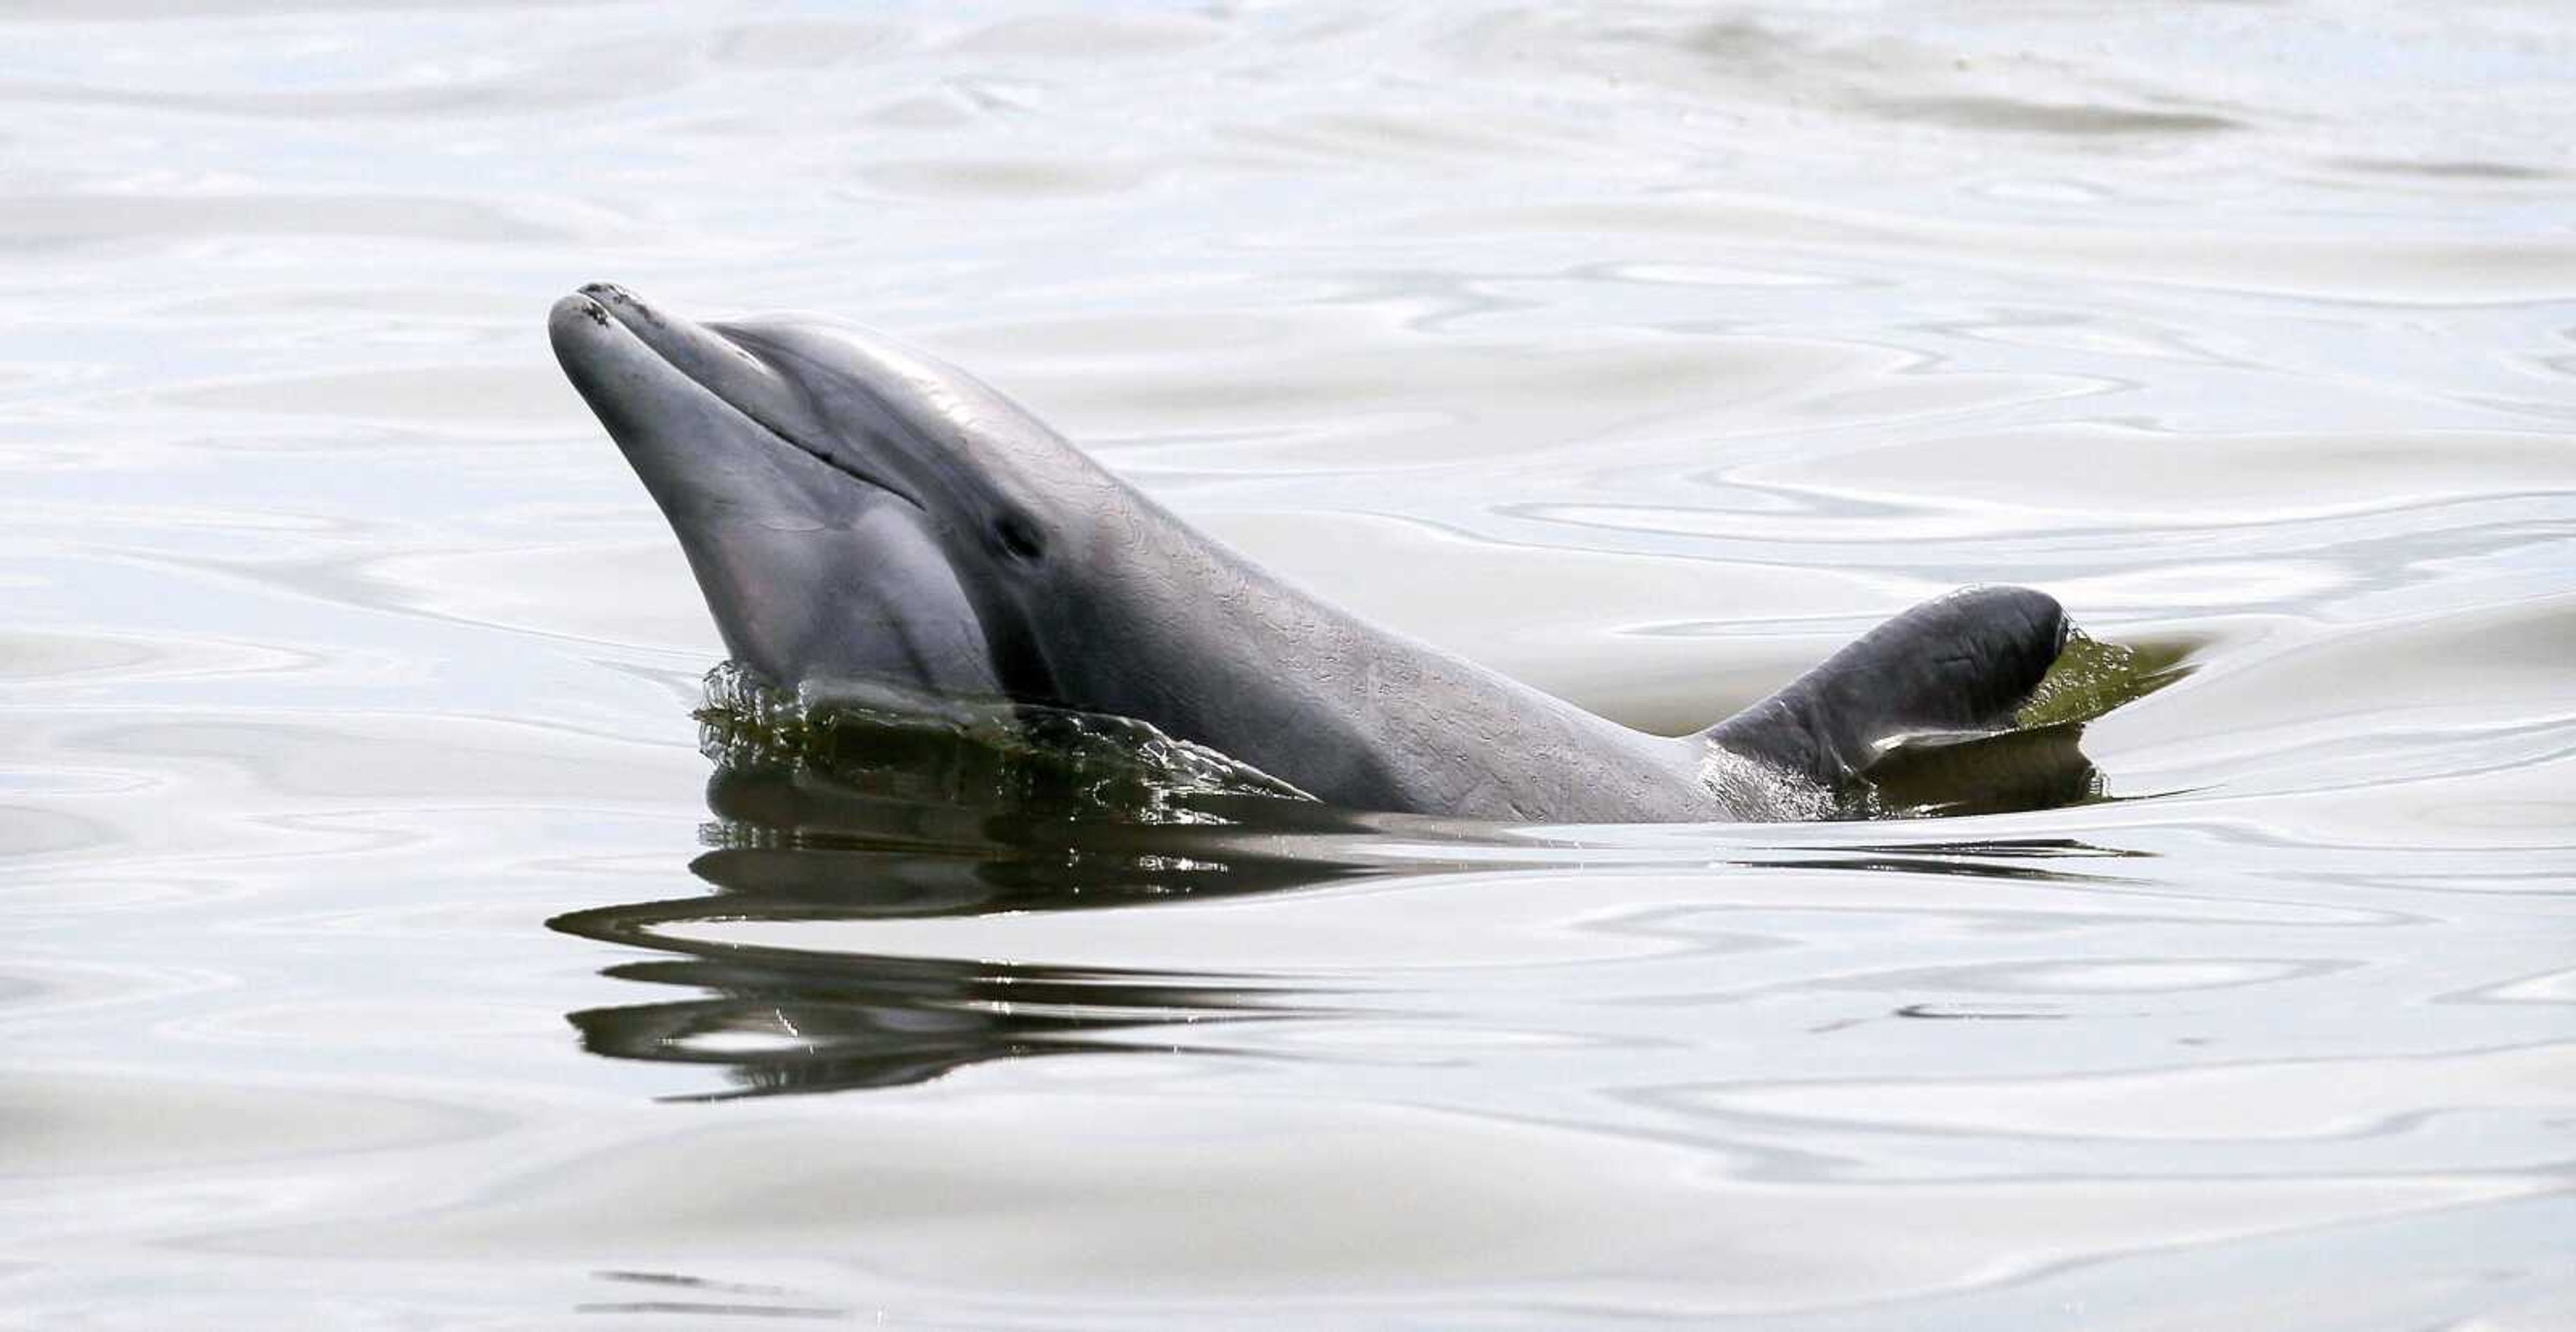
[798, 848]
[857, 510]
[811, 850]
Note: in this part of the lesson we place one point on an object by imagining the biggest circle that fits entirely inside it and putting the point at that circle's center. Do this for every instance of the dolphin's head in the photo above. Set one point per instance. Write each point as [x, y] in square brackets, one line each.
[852, 508]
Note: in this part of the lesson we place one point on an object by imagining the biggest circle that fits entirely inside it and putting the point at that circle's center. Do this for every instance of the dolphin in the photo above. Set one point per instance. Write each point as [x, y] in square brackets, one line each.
[857, 510]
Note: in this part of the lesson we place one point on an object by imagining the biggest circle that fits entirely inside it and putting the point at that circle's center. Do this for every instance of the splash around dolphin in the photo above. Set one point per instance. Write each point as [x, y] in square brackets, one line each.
[855, 510]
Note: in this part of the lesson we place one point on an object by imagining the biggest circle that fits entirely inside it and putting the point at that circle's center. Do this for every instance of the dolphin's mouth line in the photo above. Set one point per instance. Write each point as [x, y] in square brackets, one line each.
[823, 456]
[827, 457]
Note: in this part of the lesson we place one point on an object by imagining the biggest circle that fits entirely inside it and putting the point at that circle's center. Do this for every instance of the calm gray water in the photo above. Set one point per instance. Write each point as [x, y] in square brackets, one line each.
[375, 956]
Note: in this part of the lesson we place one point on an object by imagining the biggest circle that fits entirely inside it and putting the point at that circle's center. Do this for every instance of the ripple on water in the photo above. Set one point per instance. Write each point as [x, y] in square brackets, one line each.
[1153, 1204]
[66, 1125]
[67, 220]
[2289, 1099]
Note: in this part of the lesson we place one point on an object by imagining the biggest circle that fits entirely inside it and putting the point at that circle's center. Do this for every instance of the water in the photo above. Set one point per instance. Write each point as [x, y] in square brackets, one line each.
[379, 955]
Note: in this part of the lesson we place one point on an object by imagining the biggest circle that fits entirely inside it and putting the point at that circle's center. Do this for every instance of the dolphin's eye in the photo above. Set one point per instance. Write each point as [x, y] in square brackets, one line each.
[1019, 539]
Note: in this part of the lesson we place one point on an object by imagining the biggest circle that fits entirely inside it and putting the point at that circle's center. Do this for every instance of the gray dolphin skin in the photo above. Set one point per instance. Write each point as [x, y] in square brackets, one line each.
[854, 509]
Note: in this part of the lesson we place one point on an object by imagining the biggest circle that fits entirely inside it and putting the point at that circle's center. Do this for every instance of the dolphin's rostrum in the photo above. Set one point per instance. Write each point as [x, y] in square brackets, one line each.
[857, 510]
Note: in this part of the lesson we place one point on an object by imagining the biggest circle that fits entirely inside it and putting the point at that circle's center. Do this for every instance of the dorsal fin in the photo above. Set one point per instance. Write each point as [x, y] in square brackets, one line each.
[1962, 663]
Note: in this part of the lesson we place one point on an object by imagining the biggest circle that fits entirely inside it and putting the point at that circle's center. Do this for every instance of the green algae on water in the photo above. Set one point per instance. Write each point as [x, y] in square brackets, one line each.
[2091, 677]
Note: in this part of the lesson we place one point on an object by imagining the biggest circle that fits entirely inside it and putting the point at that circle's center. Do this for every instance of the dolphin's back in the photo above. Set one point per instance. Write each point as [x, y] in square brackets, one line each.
[1963, 663]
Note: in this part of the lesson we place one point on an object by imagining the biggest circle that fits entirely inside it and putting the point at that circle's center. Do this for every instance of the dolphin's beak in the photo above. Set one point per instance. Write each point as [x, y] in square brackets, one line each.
[608, 340]
[812, 567]
[707, 460]
[604, 311]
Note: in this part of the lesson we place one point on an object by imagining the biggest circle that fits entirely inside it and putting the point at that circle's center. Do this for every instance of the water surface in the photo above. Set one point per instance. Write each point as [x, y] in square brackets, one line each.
[379, 951]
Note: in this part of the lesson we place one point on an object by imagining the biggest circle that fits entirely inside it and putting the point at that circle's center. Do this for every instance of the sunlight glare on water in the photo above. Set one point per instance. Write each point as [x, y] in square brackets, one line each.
[383, 949]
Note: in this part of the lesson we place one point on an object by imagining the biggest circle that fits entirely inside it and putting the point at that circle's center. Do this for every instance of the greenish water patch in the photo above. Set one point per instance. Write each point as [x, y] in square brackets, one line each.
[2037, 760]
[2091, 677]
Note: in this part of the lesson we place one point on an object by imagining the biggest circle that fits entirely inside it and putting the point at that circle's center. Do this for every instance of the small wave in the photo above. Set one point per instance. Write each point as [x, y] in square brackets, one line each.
[989, 753]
